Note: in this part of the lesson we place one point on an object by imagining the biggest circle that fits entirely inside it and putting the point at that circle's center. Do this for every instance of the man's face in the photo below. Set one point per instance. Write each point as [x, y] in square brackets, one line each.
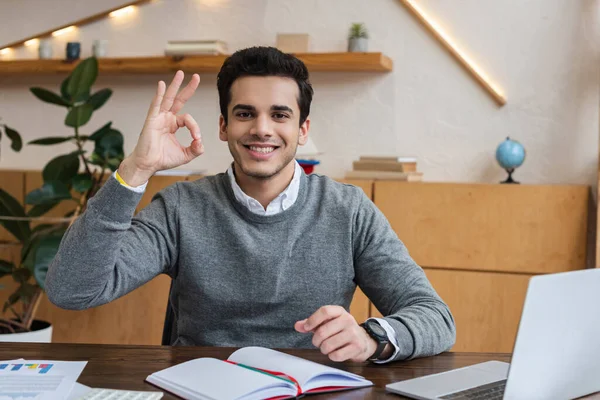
[264, 129]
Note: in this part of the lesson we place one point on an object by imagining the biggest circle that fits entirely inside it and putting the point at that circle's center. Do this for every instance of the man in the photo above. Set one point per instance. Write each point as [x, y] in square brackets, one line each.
[263, 254]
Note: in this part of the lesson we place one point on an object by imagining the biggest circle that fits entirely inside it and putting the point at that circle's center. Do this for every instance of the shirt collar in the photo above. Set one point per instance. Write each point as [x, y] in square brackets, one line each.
[282, 202]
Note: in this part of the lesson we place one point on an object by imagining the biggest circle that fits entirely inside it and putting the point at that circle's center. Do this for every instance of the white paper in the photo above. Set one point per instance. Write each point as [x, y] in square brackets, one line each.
[79, 391]
[38, 379]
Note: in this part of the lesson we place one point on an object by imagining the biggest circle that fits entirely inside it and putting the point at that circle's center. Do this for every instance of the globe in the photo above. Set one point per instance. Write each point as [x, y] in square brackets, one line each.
[510, 154]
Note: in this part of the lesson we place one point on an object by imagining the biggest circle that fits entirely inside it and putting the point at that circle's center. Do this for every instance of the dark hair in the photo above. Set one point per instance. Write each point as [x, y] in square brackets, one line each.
[264, 61]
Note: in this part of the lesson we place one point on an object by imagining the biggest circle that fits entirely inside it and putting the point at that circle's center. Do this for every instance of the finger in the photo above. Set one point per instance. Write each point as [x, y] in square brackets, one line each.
[190, 123]
[329, 329]
[185, 94]
[158, 98]
[195, 149]
[169, 97]
[322, 315]
[336, 342]
[351, 351]
[299, 326]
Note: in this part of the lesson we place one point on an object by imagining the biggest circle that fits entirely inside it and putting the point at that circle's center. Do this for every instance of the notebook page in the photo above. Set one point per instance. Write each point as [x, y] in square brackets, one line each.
[300, 369]
[211, 378]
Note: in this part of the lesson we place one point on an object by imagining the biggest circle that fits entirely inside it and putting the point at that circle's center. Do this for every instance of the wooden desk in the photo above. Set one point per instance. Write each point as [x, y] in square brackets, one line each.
[126, 367]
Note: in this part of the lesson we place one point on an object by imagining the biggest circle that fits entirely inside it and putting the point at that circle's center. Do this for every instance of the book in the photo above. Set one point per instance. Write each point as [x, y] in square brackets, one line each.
[386, 175]
[190, 47]
[363, 165]
[253, 373]
[389, 159]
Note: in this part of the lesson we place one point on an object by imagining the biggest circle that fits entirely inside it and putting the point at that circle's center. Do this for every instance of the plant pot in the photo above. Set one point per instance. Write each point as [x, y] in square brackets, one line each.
[358, 45]
[41, 332]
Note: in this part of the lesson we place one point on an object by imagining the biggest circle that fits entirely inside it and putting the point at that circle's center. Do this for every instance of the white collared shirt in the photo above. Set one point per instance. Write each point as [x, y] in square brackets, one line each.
[285, 200]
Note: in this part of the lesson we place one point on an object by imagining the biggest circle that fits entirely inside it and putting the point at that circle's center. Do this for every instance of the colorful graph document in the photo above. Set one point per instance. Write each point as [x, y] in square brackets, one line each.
[38, 379]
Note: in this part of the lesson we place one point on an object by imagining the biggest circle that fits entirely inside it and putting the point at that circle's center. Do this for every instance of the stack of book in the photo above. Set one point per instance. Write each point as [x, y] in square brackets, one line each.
[195, 47]
[385, 168]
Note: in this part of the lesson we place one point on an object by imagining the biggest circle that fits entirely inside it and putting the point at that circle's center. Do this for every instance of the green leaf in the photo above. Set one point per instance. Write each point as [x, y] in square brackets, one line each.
[79, 115]
[113, 163]
[99, 98]
[12, 299]
[63, 89]
[51, 140]
[82, 182]
[41, 209]
[101, 132]
[15, 138]
[10, 207]
[50, 192]
[49, 97]
[110, 145]
[82, 97]
[37, 233]
[26, 292]
[82, 78]
[95, 159]
[44, 254]
[6, 268]
[62, 168]
[21, 275]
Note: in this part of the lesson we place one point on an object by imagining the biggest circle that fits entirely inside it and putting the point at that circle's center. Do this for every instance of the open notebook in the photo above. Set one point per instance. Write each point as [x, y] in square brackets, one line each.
[253, 373]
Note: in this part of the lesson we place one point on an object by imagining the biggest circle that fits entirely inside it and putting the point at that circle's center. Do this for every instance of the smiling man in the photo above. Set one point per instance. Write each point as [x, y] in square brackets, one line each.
[262, 254]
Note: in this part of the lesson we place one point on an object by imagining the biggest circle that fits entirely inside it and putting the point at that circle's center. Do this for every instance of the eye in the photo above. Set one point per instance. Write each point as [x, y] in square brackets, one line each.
[280, 116]
[244, 114]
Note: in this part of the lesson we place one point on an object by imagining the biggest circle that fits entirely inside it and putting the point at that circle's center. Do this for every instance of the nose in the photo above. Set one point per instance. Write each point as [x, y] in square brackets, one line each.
[262, 127]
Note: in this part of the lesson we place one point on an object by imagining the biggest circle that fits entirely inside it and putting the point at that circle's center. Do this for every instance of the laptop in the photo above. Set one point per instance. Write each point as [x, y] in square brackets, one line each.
[556, 353]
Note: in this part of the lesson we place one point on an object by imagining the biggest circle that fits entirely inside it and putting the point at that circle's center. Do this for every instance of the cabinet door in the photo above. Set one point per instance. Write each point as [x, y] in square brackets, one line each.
[486, 307]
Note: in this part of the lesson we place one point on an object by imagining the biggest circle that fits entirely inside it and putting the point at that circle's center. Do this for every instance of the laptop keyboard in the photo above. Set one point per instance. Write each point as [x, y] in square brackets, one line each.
[490, 391]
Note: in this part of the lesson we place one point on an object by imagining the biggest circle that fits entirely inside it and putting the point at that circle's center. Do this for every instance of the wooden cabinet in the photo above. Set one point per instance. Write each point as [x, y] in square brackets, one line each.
[486, 307]
[479, 244]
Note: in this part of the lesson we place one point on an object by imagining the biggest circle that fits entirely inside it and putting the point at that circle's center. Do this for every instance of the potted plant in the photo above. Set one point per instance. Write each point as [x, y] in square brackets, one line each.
[358, 38]
[73, 177]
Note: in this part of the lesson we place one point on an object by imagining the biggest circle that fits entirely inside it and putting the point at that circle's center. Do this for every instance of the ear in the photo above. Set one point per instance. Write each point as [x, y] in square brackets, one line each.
[303, 135]
[222, 128]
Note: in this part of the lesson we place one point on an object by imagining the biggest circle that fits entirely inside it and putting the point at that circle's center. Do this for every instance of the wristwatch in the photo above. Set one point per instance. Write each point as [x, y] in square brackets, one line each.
[379, 334]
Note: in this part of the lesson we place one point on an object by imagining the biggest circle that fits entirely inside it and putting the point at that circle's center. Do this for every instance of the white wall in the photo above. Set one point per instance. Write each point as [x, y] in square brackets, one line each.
[544, 54]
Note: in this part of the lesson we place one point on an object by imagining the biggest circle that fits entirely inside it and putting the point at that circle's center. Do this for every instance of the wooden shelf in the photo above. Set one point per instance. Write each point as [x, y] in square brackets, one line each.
[315, 62]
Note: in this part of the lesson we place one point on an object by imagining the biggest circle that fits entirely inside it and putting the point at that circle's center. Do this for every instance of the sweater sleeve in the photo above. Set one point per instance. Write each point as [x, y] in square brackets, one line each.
[398, 287]
[106, 253]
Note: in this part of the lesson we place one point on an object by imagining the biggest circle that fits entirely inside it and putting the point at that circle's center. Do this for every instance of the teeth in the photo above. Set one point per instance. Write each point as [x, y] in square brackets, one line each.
[262, 149]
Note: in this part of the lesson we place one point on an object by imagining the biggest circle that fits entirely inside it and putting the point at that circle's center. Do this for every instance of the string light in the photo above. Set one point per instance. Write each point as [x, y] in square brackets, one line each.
[63, 31]
[447, 41]
[122, 11]
[31, 42]
[125, 9]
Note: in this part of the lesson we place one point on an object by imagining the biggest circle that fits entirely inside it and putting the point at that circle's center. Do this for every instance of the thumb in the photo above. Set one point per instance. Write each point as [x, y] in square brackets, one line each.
[299, 326]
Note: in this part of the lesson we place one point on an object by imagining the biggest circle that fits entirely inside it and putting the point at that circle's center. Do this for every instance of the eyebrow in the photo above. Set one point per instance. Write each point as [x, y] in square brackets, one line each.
[248, 107]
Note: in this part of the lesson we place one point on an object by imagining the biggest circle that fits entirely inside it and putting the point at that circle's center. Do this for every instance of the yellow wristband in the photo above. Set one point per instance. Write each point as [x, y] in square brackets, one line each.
[121, 181]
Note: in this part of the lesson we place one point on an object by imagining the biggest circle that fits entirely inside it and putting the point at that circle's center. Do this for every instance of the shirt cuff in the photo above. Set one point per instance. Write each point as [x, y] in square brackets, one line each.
[137, 189]
[391, 334]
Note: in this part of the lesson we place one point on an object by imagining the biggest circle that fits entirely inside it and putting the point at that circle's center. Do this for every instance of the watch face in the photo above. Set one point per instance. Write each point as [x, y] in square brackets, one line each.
[377, 329]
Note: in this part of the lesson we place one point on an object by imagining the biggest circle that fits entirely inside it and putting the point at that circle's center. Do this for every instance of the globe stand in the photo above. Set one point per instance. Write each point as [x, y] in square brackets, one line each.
[510, 179]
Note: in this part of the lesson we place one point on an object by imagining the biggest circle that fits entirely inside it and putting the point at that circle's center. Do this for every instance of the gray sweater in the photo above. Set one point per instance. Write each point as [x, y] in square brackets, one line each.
[244, 279]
